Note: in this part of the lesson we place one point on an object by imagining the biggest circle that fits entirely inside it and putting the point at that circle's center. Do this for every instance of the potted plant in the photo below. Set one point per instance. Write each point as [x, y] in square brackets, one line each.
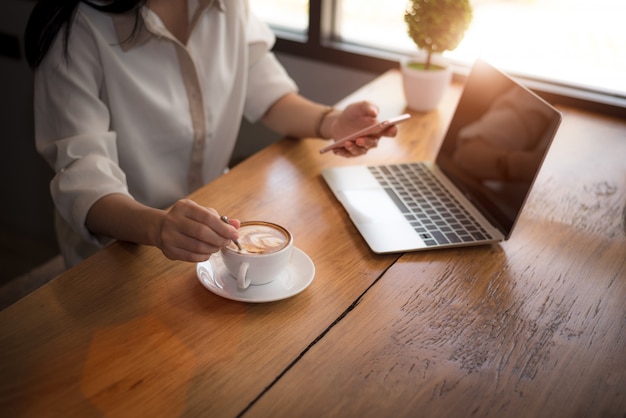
[434, 26]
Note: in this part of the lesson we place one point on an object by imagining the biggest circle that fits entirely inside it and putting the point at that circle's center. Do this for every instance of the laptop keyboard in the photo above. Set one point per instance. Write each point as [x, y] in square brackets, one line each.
[432, 211]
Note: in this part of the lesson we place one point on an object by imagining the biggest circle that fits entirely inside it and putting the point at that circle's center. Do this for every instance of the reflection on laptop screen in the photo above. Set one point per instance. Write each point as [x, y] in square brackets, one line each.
[496, 142]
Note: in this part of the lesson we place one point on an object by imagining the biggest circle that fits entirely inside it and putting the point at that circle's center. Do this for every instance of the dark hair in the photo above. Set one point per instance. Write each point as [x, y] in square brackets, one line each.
[49, 17]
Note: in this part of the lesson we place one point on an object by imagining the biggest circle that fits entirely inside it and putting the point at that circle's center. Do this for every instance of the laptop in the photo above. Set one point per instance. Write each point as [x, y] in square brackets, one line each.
[474, 190]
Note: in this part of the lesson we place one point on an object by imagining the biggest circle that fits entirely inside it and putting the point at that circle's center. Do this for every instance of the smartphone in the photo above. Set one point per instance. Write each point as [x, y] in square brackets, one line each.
[370, 130]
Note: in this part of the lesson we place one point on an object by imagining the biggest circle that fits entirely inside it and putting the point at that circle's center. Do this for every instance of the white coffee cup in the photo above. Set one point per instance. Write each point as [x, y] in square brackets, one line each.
[266, 253]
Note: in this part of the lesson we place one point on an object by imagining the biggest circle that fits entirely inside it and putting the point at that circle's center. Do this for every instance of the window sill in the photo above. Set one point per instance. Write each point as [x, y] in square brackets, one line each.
[378, 61]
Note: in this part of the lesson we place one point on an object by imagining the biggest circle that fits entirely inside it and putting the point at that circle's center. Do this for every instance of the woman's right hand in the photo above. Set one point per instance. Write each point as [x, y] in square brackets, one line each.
[190, 232]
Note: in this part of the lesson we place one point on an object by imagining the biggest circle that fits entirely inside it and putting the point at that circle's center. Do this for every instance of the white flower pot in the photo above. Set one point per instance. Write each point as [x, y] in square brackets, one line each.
[424, 89]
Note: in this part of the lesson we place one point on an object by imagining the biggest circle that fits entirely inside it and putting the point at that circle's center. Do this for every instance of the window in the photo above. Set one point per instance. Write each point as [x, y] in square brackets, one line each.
[573, 43]
[287, 15]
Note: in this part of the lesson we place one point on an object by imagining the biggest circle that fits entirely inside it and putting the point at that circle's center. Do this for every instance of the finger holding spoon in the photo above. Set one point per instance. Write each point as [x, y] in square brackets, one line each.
[225, 219]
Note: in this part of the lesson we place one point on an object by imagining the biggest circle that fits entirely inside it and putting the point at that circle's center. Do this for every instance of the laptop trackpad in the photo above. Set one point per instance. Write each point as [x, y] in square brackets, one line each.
[369, 205]
[379, 220]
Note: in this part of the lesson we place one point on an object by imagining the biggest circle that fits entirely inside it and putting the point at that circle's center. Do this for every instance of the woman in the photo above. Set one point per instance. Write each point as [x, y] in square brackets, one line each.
[138, 103]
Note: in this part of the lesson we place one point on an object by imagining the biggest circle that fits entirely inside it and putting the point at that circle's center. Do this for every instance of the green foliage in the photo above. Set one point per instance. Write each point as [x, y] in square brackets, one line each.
[437, 25]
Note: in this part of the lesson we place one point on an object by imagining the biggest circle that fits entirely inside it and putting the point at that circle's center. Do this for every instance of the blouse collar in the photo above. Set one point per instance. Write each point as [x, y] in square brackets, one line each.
[149, 24]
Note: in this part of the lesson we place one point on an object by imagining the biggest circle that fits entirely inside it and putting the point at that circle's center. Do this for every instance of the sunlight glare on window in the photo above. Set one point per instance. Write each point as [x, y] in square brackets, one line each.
[290, 15]
[577, 42]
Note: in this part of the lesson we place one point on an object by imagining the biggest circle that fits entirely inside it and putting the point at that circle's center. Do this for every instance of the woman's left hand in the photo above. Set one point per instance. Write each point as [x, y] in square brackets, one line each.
[354, 118]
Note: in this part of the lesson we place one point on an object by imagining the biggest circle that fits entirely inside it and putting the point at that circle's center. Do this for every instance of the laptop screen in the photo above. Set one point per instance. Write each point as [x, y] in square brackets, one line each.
[496, 142]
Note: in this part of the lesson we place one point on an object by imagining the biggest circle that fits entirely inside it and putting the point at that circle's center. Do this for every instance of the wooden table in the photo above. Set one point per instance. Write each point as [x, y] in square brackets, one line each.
[535, 326]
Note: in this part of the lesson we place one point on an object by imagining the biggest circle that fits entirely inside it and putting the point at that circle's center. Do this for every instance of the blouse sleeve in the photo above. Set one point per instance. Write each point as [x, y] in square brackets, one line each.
[72, 128]
[267, 81]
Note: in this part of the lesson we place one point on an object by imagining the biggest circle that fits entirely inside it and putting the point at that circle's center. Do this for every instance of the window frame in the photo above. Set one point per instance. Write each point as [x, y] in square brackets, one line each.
[319, 44]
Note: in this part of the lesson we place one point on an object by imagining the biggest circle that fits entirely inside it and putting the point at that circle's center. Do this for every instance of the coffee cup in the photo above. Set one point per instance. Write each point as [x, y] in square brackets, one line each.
[265, 253]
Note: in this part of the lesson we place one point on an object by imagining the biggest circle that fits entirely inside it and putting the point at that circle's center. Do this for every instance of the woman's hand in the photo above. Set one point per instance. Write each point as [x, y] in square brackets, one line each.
[191, 232]
[186, 232]
[354, 118]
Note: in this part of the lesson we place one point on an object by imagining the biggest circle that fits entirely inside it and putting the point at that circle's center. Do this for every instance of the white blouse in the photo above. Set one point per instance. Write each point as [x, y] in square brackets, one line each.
[148, 116]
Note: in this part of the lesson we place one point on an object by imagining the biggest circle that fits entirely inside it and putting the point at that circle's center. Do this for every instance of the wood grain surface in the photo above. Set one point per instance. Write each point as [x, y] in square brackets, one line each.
[535, 326]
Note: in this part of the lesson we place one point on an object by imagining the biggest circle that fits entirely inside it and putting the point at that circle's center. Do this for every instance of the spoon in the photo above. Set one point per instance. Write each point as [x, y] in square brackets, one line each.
[224, 219]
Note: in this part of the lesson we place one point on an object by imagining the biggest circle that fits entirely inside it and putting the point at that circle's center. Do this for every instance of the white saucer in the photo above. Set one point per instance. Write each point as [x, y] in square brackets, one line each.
[297, 277]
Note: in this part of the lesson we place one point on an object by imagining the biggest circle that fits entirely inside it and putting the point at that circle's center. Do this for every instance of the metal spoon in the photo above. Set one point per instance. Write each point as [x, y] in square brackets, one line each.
[224, 219]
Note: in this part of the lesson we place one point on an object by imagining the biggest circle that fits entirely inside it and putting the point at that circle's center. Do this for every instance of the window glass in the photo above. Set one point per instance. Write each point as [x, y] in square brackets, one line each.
[576, 42]
[290, 15]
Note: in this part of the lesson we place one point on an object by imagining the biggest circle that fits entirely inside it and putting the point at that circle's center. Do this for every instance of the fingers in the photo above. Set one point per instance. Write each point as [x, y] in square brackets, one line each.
[390, 131]
[367, 109]
[363, 144]
[354, 118]
[191, 232]
[234, 222]
[358, 147]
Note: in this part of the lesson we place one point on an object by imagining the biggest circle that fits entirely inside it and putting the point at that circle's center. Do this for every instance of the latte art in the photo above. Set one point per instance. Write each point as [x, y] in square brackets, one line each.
[260, 238]
[266, 250]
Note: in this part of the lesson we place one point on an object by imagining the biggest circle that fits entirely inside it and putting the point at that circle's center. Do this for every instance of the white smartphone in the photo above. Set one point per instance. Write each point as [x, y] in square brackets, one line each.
[370, 130]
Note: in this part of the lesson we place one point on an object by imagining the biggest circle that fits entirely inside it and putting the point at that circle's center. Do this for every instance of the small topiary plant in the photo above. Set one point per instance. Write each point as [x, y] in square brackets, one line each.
[437, 25]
